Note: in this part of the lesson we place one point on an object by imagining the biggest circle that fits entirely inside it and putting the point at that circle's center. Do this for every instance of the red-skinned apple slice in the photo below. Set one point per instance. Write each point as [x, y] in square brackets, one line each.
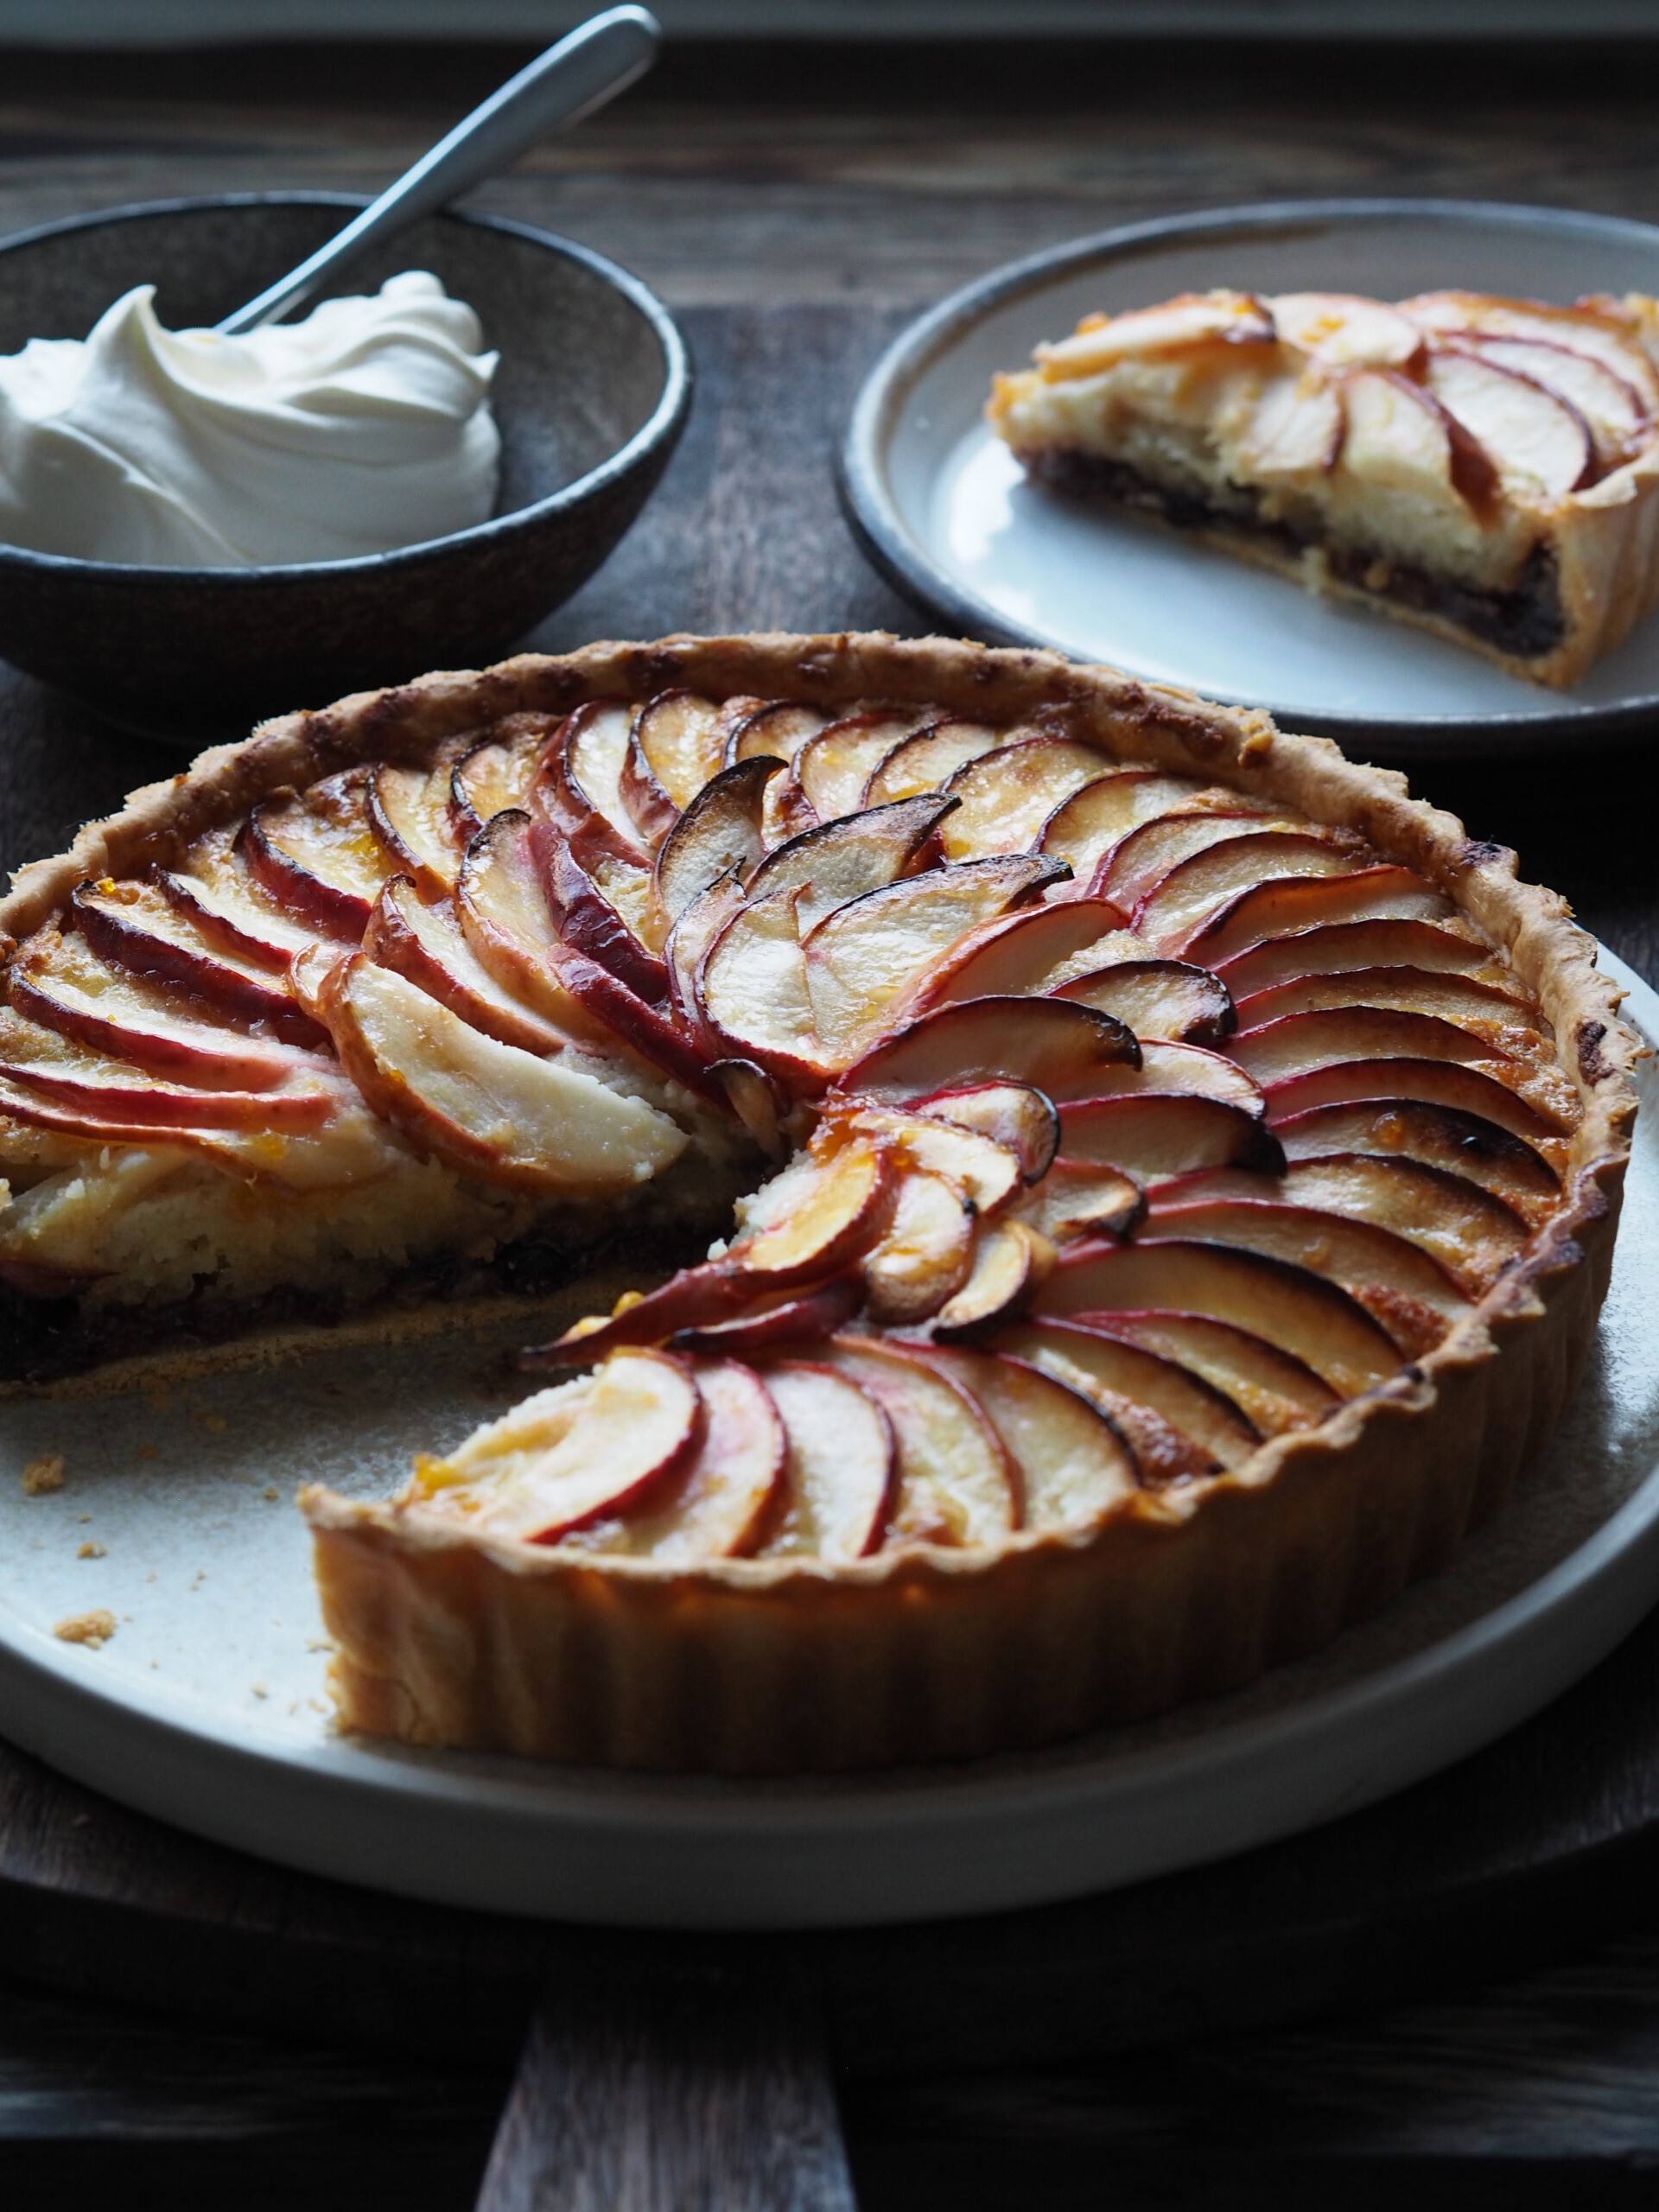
[1434, 1083]
[751, 990]
[779, 1318]
[1064, 1050]
[719, 833]
[1480, 1007]
[1078, 1198]
[957, 1484]
[1403, 1286]
[925, 1253]
[1345, 331]
[842, 861]
[501, 904]
[1141, 859]
[411, 812]
[1399, 437]
[317, 855]
[491, 1110]
[988, 1170]
[926, 761]
[865, 957]
[1007, 795]
[833, 767]
[1012, 1260]
[759, 1100]
[1176, 1070]
[575, 1453]
[1385, 892]
[721, 1503]
[427, 945]
[63, 984]
[1277, 1392]
[1192, 322]
[689, 942]
[1073, 1465]
[110, 1090]
[1305, 1314]
[1016, 954]
[135, 926]
[221, 897]
[1295, 429]
[776, 731]
[651, 1032]
[1587, 327]
[587, 922]
[1299, 1042]
[578, 785]
[1195, 1429]
[1024, 1119]
[678, 742]
[1339, 948]
[1161, 1133]
[1097, 817]
[1169, 916]
[1461, 1144]
[1171, 1000]
[497, 775]
[1615, 410]
[841, 1462]
[1537, 440]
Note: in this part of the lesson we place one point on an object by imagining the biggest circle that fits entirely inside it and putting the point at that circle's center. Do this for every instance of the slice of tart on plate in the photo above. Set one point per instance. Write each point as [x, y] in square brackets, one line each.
[1165, 1177]
[1484, 468]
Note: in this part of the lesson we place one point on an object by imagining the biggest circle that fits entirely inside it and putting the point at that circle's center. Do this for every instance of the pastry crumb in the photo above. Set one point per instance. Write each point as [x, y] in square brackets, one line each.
[259, 1689]
[90, 1549]
[269, 1490]
[44, 1475]
[83, 1516]
[94, 1629]
[319, 1643]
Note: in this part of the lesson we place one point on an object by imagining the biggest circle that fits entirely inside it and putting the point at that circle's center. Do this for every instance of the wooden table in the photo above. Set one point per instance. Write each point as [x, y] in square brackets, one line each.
[795, 207]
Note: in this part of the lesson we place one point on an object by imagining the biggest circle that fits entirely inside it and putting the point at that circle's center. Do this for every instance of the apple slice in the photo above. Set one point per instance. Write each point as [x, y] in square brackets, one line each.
[1401, 1286]
[1062, 1049]
[1304, 1314]
[1613, 409]
[317, 855]
[1434, 1083]
[1399, 438]
[1161, 1133]
[1298, 1042]
[1192, 322]
[718, 835]
[1024, 1121]
[626, 1020]
[1479, 1007]
[111, 1090]
[778, 1319]
[759, 1100]
[833, 767]
[498, 774]
[925, 1253]
[1100, 814]
[579, 785]
[1173, 1070]
[1169, 915]
[220, 897]
[135, 926]
[1276, 1392]
[1171, 1000]
[491, 1110]
[957, 1484]
[62, 984]
[1587, 327]
[1346, 331]
[751, 990]
[1295, 429]
[410, 813]
[1290, 903]
[1007, 795]
[1472, 1234]
[841, 1462]
[1073, 1463]
[1461, 1144]
[1340, 948]
[573, 1454]
[426, 945]
[776, 731]
[1194, 1429]
[987, 1170]
[842, 861]
[927, 761]
[689, 942]
[676, 746]
[1011, 1262]
[1079, 1198]
[720, 1502]
[587, 922]
[1538, 441]
[863, 959]
[1140, 859]
[501, 904]
[1017, 954]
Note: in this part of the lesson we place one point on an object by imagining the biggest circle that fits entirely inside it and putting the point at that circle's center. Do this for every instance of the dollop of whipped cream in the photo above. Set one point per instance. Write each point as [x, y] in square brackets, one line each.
[366, 426]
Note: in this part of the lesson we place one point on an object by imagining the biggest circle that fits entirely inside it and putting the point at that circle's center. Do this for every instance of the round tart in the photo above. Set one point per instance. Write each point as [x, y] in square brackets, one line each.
[1176, 1175]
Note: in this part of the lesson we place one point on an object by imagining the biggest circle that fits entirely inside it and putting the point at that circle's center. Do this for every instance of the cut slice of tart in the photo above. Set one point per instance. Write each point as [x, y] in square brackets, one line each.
[1482, 467]
[1163, 1177]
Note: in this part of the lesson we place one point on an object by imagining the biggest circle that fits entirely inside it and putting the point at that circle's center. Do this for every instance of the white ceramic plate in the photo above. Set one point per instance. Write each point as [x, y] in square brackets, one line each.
[944, 509]
[207, 1708]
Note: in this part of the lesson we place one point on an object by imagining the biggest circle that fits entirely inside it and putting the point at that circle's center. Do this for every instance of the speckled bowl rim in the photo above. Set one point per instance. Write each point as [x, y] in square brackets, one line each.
[663, 425]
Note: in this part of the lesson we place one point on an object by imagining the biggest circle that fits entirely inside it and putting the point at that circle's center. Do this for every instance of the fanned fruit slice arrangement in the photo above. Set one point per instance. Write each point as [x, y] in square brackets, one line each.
[1175, 1132]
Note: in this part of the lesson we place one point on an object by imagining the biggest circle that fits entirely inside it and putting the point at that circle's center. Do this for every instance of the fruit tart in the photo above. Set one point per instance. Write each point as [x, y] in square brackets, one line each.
[1166, 1178]
[1486, 468]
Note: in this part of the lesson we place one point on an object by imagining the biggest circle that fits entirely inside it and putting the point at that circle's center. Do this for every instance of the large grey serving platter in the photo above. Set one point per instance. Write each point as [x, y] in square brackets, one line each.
[207, 1707]
[943, 508]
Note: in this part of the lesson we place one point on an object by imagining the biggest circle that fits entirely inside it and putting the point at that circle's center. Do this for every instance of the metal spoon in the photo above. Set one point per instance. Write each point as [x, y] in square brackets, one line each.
[574, 77]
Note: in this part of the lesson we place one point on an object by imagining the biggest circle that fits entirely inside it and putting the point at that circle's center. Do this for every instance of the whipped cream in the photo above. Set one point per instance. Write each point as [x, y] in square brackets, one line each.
[363, 427]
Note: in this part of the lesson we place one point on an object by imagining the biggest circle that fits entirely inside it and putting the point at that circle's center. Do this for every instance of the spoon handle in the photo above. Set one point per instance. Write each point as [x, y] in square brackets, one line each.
[597, 60]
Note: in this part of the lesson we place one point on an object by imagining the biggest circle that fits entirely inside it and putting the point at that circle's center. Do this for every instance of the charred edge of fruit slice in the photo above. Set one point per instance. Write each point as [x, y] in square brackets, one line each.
[1053, 1045]
[1153, 1133]
[1173, 1000]
[718, 833]
[1016, 1114]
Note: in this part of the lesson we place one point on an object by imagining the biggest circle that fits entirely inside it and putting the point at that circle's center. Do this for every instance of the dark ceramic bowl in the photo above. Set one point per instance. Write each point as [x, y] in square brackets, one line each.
[591, 395]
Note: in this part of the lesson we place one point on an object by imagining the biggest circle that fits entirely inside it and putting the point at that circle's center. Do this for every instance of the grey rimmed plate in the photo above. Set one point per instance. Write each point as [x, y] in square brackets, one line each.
[943, 509]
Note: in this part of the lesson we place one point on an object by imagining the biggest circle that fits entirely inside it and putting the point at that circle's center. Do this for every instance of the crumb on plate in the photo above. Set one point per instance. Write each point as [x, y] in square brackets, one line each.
[94, 1629]
[44, 1474]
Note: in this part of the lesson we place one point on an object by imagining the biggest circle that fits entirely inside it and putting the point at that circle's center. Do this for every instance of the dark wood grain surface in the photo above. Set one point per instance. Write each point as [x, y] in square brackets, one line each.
[796, 207]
